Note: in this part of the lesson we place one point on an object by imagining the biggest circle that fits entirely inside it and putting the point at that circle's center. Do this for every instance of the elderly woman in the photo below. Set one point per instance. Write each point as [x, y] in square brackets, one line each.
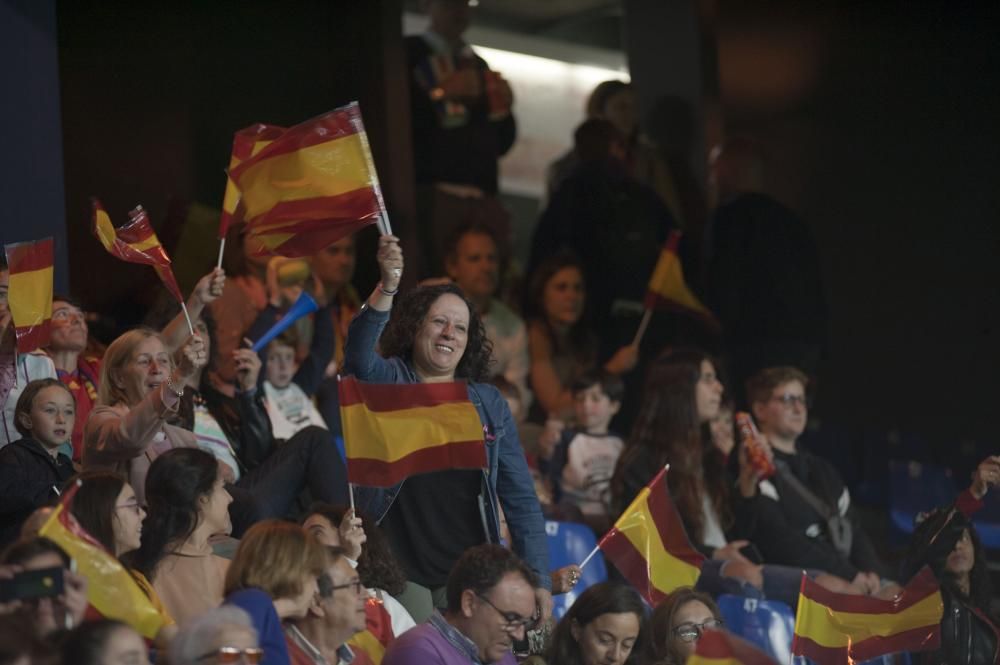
[140, 388]
[435, 335]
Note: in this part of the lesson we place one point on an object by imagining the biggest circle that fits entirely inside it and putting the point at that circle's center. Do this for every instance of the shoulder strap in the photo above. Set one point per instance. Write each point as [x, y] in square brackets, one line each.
[817, 504]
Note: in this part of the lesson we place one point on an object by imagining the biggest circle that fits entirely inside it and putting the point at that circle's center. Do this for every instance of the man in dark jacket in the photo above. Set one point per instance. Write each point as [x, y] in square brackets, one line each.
[790, 531]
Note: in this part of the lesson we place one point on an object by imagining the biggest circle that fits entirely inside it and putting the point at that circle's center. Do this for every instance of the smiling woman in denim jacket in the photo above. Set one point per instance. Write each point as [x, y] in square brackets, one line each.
[435, 335]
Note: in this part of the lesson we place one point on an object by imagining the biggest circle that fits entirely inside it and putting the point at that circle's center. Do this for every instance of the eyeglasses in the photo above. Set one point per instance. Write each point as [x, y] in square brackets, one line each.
[513, 621]
[789, 399]
[691, 632]
[232, 655]
[131, 505]
[358, 586]
[327, 587]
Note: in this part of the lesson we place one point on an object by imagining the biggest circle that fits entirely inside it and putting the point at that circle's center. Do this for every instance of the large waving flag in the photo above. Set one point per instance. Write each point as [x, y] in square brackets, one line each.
[246, 143]
[648, 544]
[110, 588]
[717, 647]
[309, 186]
[30, 292]
[667, 288]
[392, 431]
[833, 628]
[136, 242]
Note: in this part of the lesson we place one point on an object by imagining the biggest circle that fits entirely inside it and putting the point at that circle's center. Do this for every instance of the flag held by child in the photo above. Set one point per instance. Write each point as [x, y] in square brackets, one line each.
[135, 242]
[29, 296]
[392, 431]
[838, 628]
[306, 188]
[717, 647]
[110, 587]
[648, 544]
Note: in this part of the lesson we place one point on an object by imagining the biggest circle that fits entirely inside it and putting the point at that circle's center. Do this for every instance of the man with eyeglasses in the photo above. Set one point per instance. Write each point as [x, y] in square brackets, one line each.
[491, 603]
[336, 614]
[793, 528]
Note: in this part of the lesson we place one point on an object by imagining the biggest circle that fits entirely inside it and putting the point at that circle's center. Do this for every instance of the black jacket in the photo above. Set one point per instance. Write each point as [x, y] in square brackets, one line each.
[29, 479]
[243, 419]
[967, 636]
[789, 532]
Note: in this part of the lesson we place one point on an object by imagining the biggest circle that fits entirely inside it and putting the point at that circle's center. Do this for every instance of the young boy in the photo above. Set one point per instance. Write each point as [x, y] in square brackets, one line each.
[585, 457]
[288, 406]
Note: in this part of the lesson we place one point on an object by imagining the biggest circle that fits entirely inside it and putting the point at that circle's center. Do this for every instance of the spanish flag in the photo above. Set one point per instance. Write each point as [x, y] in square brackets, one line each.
[833, 628]
[717, 647]
[30, 292]
[309, 187]
[648, 544]
[370, 644]
[667, 288]
[246, 143]
[392, 431]
[136, 242]
[110, 588]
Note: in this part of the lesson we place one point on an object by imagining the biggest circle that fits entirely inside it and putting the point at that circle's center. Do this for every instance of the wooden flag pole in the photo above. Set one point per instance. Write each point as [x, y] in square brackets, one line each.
[642, 326]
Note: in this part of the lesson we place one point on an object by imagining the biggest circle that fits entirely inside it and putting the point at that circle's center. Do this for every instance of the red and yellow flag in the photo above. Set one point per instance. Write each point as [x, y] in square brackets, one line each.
[648, 544]
[246, 143]
[667, 288]
[30, 292]
[136, 242]
[839, 628]
[372, 642]
[392, 431]
[717, 647]
[309, 186]
[110, 588]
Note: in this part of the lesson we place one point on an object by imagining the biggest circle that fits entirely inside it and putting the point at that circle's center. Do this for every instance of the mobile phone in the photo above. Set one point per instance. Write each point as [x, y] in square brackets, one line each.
[31, 584]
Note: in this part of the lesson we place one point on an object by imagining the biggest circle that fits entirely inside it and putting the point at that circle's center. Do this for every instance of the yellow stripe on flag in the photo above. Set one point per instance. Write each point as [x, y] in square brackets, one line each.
[30, 298]
[392, 435]
[367, 642]
[835, 629]
[668, 282]
[666, 571]
[325, 169]
[107, 235]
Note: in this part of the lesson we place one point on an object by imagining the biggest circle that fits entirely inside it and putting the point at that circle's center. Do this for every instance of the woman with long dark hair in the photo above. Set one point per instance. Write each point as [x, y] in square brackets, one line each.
[606, 625]
[188, 504]
[677, 624]
[947, 541]
[435, 335]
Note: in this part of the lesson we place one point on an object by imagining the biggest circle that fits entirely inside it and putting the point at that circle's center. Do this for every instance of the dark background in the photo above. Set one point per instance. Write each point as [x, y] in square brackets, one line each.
[880, 118]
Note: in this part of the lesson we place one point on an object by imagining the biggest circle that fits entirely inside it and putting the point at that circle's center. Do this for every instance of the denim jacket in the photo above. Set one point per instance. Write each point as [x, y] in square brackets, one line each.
[506, 481]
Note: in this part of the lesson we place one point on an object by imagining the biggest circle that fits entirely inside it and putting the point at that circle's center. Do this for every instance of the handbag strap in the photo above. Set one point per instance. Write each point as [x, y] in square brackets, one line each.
[817, 504]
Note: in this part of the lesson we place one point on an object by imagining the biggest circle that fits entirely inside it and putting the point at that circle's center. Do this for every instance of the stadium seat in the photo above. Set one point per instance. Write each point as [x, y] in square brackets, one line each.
[916, 488]
[570, 543]
[768, 624]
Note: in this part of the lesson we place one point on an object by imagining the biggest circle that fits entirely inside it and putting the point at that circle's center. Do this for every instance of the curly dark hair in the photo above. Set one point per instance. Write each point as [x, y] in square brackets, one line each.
[596, 601]
[408, 315]
[377, 566]
[481, 568]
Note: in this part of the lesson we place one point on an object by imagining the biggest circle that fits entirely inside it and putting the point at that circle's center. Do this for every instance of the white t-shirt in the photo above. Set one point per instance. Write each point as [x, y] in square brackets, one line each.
[290, 410]
[590, 463]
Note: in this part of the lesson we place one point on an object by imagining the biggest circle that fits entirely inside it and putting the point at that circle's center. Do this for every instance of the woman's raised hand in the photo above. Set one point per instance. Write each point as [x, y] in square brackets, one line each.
[390, 262]
[192, 357]
[210, 286]
[352, 535]
[986, 475]
[247, 366]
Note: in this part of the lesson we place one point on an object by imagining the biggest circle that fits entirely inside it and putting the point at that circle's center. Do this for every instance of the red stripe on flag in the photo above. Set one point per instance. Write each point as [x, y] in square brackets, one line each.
[922, 585]
[30, 338]
[245, 139]
[29, 256]
[379, 473]
[718, 644]
[356, 204]
[331, 126]
[668, 522]
[925, 638]
[306, 244]
[398, 396]
[631, 564]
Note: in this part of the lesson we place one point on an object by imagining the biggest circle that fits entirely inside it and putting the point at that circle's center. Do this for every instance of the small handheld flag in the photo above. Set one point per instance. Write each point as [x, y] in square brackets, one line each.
[392, 431]
[838, 628]
[718, 647]
[30, 292]
[110, 589]
[648, 544]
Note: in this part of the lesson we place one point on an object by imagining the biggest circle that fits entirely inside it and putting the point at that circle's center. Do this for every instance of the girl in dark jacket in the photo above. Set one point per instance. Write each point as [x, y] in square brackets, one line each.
[32, 468]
